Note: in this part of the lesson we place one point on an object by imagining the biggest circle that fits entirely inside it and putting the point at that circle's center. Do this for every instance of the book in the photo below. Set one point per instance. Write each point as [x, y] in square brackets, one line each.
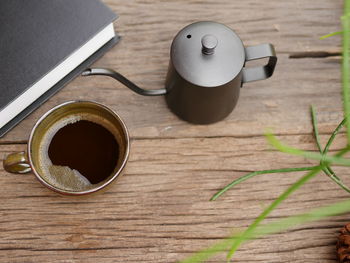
[45, 44]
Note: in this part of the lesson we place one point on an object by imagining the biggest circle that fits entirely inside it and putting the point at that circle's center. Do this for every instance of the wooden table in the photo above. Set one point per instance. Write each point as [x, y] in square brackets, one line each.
[159, 210]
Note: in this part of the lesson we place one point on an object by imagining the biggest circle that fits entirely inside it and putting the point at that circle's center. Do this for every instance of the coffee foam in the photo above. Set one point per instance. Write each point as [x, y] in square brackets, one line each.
[63, 177]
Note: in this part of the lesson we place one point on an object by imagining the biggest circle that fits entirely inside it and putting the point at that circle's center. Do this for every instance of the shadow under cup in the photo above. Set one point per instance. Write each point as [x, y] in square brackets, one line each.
[61, 116]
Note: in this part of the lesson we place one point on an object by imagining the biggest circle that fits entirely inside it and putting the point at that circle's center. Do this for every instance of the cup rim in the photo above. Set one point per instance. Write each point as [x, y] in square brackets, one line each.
[92, 190]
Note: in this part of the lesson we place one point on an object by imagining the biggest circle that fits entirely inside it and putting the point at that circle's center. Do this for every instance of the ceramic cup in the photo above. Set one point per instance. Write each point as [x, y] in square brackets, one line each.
[30, 161]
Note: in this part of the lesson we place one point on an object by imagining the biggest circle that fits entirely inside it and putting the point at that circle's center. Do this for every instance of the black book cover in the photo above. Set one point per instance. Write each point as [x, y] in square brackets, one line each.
[36, 36]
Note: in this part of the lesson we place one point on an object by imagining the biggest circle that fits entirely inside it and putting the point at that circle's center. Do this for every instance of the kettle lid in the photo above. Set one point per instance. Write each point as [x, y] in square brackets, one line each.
[207, 54]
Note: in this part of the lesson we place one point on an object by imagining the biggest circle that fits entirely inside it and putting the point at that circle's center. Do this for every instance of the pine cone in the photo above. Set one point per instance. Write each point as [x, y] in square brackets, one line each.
[343, 245]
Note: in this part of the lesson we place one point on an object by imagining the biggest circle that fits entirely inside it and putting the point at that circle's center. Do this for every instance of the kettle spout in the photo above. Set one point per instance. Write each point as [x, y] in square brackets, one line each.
[117, 76]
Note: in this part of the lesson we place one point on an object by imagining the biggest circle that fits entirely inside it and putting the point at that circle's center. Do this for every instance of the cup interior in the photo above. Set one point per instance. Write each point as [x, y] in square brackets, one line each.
[85, 110]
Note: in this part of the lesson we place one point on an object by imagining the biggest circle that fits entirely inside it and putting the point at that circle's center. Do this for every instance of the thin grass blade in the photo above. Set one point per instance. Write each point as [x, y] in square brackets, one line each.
[253, 174]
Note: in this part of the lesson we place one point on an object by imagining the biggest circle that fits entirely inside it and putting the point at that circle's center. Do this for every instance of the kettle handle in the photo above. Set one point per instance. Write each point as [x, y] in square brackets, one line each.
[113, 74]
[260, 72]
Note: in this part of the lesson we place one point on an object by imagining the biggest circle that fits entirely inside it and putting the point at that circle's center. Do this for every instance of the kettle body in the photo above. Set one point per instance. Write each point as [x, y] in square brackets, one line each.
[197, 104]
[206, 72]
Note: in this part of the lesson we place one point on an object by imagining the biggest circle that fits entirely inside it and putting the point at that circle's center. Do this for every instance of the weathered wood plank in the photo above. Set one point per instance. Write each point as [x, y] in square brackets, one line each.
[292, 25]
[159, 210]
[281, 102]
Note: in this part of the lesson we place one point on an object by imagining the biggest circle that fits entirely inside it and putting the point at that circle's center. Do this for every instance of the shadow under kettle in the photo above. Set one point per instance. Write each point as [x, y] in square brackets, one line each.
[206, 71]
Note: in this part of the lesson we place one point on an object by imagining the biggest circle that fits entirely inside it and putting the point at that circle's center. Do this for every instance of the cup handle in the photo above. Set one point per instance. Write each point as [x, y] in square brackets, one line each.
[260, 72]
[17, 163]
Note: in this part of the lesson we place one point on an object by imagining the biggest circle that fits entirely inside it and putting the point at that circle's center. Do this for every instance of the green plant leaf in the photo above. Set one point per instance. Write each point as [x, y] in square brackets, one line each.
[253, 174]
[345, 63]
[310, 155]
[315, 128]
[207, 253]
[313, 215]
[317, 139]
[334, 134]
[331, 34]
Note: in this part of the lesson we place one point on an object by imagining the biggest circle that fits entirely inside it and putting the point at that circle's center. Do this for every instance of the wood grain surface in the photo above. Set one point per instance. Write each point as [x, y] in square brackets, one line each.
[159, 210]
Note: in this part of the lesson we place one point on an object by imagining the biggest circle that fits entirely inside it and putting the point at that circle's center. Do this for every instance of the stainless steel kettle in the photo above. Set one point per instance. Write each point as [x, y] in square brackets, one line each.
[206, 71]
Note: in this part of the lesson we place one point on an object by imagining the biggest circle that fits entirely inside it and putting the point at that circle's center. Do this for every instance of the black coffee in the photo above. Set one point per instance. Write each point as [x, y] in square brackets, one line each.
[87, 147]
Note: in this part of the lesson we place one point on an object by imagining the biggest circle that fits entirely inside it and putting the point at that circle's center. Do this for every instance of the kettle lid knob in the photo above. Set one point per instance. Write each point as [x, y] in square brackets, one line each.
[209, 43]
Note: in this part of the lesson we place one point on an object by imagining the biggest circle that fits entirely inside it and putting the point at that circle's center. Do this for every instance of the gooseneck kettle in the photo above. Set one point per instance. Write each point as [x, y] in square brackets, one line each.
[206, 71]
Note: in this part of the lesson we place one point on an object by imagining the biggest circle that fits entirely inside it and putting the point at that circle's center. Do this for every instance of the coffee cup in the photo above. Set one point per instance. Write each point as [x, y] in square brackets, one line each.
[76, 148]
